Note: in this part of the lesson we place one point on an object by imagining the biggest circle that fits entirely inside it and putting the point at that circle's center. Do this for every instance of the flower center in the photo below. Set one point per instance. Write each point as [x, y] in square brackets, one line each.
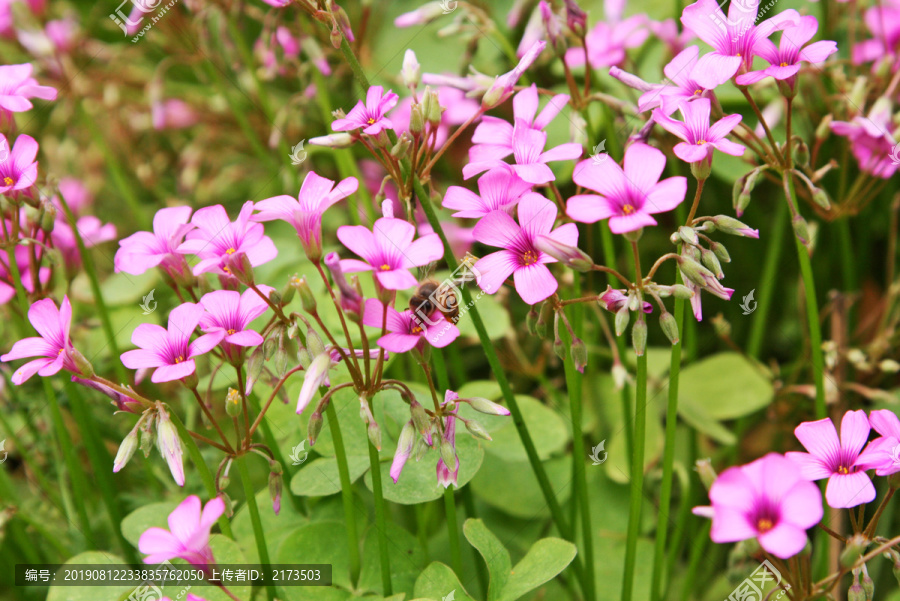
[231, 331]
[371, 121]
[385, 267]
[8, 180]
[738, 54]
[783, 65]
[416, 330]
[764, 525]
[842, 469]
[230, 251]
[530, 257]
[226, 270]
[698, 91]
[61, 351]
[179, 359]
[701, 142]
[628, 209]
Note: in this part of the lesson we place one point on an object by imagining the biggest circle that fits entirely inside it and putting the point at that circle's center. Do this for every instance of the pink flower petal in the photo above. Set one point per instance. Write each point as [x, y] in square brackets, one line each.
[849, 490]
[534, 283]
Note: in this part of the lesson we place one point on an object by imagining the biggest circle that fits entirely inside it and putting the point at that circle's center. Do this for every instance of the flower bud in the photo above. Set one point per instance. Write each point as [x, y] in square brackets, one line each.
[711, 262]
[694, 272]
[254, 367]
[314, 428]
[433, 108]
[681, 291]
[706, 472]
[169, 445]
[416, 120]
[579, 354]
[448, 453]
[801, 229]
[307, 300]
[401, 148]
[148, 436]
[821, 198]
[570, 256]
[688, 235]
[281, 357]
[669, 326]
[233, 403]
[639, 337]
[476, 430]
[868, 584]
[623, 316]
[238, 265]
[485, 406]
[824, 128]
[338, 140]
[85, 369]
[701, 169]
[374, 433]
[420, 419]
[126, 449]
[275, 486]
[541, 325]
[730, 225]
[411, 72]
[421, 447]
[314, 343]
[287, 293]
[559, 347]
[721, 252]
[48, 216]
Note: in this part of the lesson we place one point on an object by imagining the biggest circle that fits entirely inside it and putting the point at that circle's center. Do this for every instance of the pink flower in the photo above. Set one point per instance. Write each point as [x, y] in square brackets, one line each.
[883, 22]
[735, 40]
[92, 231]
[680, 72]
[531, 159]
[18, 169]
[317, 194]
[884, 451]
[493, 138]
[216, 239]
[613, 300]
[370, 116]
[838, 460]
[871, 139]
[53, 346]
[499, 188]
[173, 113]
[171, 351]
[23, 259]
[784, 61]
[145, 250]
[667, 32]
[389, 251]
[17, 86]
[230, 312]
[607, 41]
[629, 197]
[519, 257]
[188, 534]
[699, 137]
[405, 331]
[767, 499]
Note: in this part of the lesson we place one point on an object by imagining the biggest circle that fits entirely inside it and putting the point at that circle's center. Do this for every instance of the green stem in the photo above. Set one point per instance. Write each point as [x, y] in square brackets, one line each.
[812, 310]
[767, 280]
[453, 530]
[73, 465]
[91, 271]
[665, 497]
[497, 369]
[687, 587]
[272, 443]
[258, 534]
[340, 456]
[375, 464]
[101, 464]
[637, 478]
[206, 476]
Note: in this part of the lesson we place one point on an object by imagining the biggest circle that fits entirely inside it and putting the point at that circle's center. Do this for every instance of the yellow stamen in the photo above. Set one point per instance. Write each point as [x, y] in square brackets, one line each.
[530, 257]
[843, 470]
[8, 181]
[179, 359]
[230, 251]
[416, 330]
[701, 142]
[385, 267]
[628, 209]
[783, 65]
[370, 121]
[764, 525]
[230, 332]
[61, 351]
[698, 91]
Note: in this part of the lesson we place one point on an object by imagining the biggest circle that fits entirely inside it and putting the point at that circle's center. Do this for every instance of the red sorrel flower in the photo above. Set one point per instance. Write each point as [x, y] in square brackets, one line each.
[406, 331]
[369, 115]
[187, 536]
[53, 346]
